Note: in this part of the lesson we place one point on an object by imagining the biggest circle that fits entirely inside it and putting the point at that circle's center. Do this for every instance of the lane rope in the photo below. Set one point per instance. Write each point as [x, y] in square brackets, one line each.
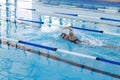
[78, 15]
[84, 29]
[69, 14]
[97, 18]
[21, 47]
[31, 21]
[78, 28]
[109, 19]
[18, 8]
[63, 51]
[61, 25]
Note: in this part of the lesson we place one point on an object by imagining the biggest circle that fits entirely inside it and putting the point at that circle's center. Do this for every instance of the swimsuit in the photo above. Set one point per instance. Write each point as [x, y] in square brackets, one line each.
[75, 41]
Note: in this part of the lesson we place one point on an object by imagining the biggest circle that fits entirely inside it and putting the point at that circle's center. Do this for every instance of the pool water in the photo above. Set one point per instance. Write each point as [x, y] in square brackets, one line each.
[19, 64]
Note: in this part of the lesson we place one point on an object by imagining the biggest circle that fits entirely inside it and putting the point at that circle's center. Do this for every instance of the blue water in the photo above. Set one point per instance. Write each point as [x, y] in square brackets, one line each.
[22, 65]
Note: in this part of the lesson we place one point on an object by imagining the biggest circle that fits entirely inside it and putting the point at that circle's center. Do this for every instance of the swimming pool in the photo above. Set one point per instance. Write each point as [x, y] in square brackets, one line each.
[19, 64]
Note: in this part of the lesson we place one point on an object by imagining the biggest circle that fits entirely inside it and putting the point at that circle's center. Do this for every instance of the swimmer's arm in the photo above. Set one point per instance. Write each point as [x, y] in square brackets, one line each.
[68, 27]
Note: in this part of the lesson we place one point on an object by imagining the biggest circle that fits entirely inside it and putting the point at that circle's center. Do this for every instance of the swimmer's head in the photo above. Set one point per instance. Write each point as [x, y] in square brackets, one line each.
[64, 36]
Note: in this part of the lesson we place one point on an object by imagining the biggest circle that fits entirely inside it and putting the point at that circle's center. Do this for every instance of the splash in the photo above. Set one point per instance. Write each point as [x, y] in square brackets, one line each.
[90, 40]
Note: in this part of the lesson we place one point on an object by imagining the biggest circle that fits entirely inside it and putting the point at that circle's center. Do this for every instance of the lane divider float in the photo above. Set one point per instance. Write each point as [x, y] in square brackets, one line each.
[19, 8]
[69, 14]
[22, 47]
[25, 20]
[82, 16]
[78, 15]
[74, 27]
[78, 28]
[109, 19]
[62, 51]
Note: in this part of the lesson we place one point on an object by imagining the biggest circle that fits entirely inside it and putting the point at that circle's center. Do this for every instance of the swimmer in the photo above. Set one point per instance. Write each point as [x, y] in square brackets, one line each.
[70, 36]
[74, 39]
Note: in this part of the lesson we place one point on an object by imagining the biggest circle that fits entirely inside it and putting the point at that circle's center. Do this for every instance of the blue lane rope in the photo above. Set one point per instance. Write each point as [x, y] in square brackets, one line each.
[108, 61]
[91, 30]
[63, 51]
[108, 19]
[88, 29]
[56, 49]
[23, 8]
[102, 18]
[29, 9]
[72, 27]
[31, 21]
[68, 62]
[37, 45]
[66, 14]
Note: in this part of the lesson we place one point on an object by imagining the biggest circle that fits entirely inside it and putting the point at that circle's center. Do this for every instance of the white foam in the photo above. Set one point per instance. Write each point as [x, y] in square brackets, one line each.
[89, 40]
